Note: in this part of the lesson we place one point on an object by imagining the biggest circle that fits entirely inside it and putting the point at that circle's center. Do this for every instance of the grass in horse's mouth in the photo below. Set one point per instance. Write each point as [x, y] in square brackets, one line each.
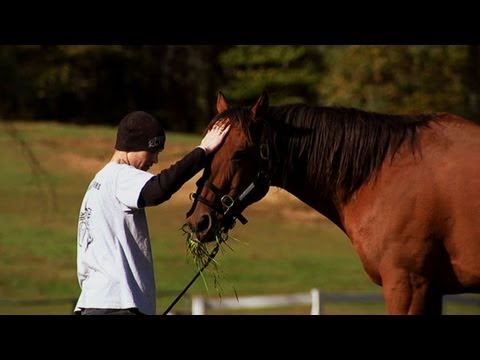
[200, 253]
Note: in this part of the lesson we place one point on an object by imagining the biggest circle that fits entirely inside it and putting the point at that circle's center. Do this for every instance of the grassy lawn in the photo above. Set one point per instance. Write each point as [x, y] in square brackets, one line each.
[285, 247]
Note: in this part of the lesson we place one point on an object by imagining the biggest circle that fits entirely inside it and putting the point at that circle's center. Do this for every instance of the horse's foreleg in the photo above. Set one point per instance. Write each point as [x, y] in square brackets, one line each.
[425, 301]
[397, 292]
[410, 293]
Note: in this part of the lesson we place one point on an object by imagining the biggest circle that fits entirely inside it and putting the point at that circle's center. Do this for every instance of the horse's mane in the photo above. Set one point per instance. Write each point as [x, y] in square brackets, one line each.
[340, 147]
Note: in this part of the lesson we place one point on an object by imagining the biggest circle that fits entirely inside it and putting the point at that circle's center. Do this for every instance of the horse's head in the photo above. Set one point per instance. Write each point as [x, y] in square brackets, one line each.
[237, 174]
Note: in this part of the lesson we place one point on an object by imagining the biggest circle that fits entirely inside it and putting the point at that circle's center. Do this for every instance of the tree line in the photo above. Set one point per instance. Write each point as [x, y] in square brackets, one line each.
[99, 84]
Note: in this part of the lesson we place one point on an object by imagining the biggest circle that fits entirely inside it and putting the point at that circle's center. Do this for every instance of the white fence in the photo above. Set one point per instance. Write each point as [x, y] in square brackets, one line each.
[200, 304]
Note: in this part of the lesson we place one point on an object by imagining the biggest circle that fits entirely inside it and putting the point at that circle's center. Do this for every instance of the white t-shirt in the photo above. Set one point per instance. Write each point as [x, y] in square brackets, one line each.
[114, 256]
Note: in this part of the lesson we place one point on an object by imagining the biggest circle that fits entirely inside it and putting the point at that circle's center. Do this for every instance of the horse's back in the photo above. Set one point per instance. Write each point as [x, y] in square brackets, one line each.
[452, 154]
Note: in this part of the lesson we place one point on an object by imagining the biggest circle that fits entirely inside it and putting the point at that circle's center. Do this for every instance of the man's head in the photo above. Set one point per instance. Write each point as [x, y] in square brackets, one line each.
[141, 137]
[139, 131]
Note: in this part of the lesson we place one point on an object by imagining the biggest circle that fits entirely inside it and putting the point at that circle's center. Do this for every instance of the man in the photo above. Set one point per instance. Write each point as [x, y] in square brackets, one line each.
[114, 258]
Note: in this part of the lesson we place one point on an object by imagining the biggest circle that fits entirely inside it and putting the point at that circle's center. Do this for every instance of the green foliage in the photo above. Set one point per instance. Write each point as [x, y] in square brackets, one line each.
[101, 83]
[288, 72]
[178, 83]
[397, 79]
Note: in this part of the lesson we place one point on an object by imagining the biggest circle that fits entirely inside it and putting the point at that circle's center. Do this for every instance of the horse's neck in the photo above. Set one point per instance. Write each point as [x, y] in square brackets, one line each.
[297, 183]
[323, 204]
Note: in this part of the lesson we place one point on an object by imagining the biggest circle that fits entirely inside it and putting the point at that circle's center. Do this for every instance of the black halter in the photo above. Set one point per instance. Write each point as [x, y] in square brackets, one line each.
[226, 206]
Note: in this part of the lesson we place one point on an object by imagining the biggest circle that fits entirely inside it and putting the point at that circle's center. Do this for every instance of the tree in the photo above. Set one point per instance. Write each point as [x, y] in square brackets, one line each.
[288, 72]
[396, 79]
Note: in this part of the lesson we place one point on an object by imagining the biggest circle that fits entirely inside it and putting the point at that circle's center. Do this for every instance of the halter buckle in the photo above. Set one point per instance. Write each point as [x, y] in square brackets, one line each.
[227, 201]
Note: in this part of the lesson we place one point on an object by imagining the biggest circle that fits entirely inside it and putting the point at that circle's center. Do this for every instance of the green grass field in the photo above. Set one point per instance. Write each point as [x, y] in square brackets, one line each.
[46, 167]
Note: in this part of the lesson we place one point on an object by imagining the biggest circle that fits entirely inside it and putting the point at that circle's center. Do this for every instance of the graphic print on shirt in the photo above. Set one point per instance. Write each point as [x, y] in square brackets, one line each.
[84, 228]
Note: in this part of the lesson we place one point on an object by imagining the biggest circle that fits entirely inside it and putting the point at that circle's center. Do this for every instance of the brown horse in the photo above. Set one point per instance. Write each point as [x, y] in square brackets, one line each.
[404, 188]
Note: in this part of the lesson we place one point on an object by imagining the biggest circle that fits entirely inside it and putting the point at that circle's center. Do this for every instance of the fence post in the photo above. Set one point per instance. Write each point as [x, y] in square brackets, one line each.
[315, 293]
[198, 305]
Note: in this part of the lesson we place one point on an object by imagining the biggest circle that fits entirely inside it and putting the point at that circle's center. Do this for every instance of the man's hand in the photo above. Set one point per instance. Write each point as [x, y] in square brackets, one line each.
[214, 137]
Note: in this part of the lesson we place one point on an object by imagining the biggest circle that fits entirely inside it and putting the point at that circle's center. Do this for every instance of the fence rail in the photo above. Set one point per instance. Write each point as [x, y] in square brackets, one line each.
[317, 300]
[200, 304]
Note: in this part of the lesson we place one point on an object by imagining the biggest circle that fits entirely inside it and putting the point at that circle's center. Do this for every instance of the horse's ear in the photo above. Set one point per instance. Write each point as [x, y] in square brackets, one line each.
[260, 106]
[222, 103]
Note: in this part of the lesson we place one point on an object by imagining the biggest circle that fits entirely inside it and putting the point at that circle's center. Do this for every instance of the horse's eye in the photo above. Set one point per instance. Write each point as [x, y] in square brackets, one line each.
[239, 155]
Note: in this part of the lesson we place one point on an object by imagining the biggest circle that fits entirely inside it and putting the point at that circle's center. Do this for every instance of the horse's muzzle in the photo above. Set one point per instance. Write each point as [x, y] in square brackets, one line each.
[202, 227]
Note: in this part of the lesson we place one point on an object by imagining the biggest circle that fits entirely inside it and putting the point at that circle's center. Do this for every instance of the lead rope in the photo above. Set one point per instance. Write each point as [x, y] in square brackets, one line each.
[210, 258]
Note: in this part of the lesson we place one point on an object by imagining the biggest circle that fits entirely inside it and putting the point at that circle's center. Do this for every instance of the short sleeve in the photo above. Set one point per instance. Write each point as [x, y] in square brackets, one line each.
[130, 182]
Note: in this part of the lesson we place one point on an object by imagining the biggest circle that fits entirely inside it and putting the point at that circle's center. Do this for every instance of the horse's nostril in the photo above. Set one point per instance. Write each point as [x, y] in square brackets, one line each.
[204, 223]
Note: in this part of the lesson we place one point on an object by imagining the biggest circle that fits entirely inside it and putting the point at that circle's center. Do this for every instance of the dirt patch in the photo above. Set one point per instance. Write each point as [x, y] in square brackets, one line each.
[82, 163]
